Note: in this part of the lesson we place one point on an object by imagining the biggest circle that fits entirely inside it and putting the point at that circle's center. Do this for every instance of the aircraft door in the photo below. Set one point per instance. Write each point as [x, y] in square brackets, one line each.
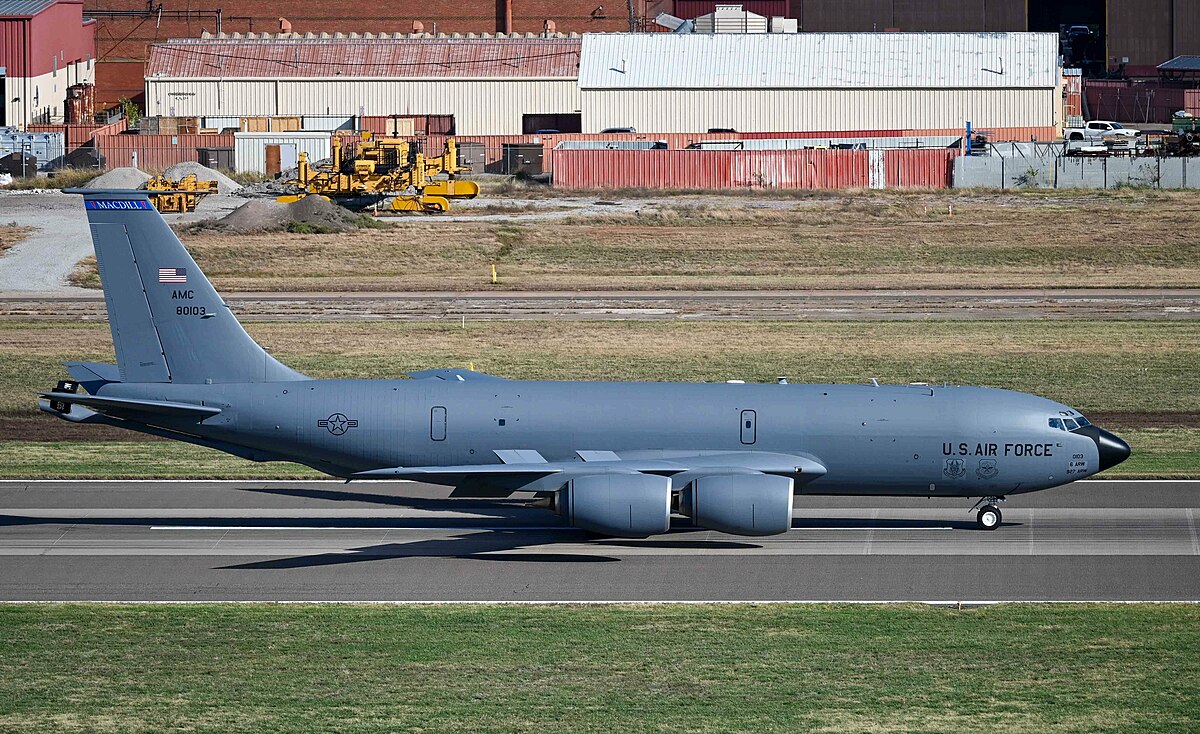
[749, 426]
[437, 423]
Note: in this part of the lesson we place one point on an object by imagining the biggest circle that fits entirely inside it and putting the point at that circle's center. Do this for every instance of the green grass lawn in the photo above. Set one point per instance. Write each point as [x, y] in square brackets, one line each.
[704, 668]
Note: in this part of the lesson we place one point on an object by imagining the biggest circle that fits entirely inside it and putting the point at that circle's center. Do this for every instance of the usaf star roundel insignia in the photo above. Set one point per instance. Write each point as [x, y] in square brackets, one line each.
[337, 423]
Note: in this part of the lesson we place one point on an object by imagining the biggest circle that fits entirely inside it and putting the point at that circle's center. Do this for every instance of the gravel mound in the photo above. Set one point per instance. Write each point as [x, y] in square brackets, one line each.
[119, 178]
[310, 214]
[225, 184]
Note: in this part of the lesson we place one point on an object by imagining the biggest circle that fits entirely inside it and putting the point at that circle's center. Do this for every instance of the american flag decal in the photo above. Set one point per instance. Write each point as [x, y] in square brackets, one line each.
[172, 275]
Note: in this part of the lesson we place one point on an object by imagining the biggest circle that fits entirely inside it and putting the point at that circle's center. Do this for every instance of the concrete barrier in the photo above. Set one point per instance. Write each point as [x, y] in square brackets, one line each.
[1075, 172]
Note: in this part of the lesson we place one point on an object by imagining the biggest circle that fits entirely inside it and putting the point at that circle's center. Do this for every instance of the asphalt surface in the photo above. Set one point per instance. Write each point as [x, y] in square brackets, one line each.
[960, 304]
[329, 541]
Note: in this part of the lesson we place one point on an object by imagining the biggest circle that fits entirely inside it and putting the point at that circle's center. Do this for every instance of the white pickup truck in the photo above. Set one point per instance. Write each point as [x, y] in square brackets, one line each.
[1099, 130]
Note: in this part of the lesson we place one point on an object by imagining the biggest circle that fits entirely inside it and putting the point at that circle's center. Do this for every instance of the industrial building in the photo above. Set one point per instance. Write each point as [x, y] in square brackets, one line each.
[46, 47]
[1129, 34]
[492, 86]
[791, 82]
[887, 83]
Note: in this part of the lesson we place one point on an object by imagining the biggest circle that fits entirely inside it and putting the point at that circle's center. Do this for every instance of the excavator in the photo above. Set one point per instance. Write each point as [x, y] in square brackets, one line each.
[391, 173]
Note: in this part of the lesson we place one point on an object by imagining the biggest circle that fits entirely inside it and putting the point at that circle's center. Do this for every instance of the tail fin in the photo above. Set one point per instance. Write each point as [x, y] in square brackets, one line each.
[168, 324]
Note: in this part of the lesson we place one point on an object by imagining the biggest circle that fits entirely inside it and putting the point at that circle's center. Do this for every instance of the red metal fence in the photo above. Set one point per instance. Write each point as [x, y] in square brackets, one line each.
[77, 136]
[750, 169]
[926, 169]
[156, 152]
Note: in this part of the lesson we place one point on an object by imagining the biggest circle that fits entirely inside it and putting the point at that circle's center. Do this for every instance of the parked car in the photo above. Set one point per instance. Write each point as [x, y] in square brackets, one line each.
[618, 130]
[1098, 130]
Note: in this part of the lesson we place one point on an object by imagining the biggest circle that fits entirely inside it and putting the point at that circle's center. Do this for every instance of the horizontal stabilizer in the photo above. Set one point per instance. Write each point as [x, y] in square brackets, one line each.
[93, 375]
[120, 406]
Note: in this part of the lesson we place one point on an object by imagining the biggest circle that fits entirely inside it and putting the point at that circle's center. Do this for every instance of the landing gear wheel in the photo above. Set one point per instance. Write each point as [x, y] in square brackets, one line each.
[989, 517]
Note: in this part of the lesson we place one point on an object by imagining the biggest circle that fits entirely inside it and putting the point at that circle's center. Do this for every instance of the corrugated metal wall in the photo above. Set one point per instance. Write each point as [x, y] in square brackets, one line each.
[911, 15]
[80, 135]
[927, 169]
[156, 152]
[479, 107]
[1187, 21]
[823, 109]
[696, 8]
[1141, 30]
[250, 149]
[748, 169]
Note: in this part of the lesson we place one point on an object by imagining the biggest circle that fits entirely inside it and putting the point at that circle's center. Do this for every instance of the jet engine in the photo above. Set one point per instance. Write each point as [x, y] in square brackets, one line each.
[624, 505]
[740, 504]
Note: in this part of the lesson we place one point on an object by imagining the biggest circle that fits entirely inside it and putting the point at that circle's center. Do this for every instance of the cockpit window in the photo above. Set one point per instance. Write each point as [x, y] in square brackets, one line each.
[1069, 424]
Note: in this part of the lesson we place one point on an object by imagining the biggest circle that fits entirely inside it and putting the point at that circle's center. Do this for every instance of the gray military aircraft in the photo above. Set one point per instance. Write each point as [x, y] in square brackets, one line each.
[611, 458]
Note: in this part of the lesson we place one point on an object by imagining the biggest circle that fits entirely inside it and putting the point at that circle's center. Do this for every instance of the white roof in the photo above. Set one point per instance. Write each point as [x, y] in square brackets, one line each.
[818, 60]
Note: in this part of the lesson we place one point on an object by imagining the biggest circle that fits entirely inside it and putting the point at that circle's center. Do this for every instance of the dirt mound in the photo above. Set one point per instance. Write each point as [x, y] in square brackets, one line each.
[225, 184]
[311, 214]
[119, 178]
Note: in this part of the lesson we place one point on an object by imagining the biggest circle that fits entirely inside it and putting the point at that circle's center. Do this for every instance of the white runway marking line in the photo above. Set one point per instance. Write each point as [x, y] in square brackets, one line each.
[599, 602]
[1192, 529]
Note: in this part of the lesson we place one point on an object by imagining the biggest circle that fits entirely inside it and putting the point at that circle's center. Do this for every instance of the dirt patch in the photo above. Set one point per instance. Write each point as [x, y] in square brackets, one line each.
[11, 234]
[1145, 420]
[310, 215]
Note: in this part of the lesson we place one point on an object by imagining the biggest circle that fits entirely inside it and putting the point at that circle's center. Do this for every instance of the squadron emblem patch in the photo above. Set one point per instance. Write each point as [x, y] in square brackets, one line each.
[955, 468]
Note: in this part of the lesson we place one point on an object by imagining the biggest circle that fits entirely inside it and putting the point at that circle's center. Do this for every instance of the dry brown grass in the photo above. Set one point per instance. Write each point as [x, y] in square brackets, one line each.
[1150, 239]
[11, 234]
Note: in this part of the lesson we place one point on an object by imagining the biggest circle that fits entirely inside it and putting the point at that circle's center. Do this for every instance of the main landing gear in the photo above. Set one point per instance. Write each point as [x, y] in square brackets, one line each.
[989, 516]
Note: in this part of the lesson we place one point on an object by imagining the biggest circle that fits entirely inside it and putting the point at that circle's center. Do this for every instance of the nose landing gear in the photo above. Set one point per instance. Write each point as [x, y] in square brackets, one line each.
[989, 517]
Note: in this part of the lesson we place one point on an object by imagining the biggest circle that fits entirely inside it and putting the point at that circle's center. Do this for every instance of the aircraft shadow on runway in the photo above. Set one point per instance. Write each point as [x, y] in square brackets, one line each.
[480, 506]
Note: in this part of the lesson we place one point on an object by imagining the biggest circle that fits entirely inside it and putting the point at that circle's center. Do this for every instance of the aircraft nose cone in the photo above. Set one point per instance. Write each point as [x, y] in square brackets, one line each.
[1113, 449]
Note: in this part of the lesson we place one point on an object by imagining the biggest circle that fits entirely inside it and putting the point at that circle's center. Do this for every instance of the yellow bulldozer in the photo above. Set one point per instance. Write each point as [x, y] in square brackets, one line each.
[392, 172]
[177, 197]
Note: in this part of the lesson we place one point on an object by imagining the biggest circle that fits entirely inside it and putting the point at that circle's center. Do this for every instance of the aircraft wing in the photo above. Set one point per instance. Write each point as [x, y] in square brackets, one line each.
[545, 475]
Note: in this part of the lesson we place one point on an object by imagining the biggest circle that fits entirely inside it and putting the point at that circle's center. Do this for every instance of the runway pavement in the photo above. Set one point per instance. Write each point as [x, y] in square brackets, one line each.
[830, 305]
[329, 541]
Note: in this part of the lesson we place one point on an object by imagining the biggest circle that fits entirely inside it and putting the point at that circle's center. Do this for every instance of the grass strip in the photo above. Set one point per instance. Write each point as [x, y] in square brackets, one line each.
[704, 668]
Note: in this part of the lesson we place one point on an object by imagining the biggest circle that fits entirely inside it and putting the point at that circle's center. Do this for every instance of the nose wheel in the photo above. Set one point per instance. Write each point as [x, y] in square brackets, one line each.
[989, 517]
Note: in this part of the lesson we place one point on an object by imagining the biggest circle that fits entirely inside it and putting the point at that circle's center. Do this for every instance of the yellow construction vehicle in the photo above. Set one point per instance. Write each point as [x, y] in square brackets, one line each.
[389, 171]
[180, 196]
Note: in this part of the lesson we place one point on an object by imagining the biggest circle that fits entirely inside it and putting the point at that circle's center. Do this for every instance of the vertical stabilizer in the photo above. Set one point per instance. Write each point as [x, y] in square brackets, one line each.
[168, 323]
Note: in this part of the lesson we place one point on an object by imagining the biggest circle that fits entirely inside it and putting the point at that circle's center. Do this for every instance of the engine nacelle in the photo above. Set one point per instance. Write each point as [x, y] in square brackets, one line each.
[624, 505]
[740, 504]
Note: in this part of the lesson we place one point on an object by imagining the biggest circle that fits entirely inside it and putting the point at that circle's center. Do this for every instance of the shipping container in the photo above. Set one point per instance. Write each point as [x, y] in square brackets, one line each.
[250, 149]
[1191, 102]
